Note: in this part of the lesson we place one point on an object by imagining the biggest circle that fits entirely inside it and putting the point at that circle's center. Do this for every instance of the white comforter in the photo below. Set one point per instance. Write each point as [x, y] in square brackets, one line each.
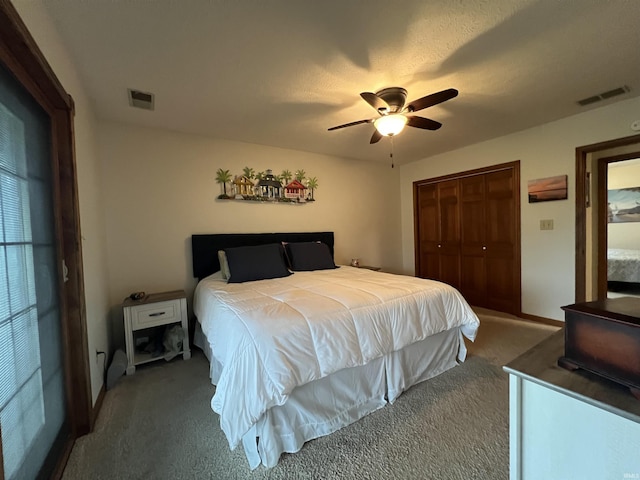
[273, 335]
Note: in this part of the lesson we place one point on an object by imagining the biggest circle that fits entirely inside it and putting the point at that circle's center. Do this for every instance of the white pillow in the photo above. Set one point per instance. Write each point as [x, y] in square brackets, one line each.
[224, 265]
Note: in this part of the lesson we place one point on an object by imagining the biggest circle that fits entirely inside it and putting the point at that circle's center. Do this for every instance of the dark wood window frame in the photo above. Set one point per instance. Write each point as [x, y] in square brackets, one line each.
[20, 54]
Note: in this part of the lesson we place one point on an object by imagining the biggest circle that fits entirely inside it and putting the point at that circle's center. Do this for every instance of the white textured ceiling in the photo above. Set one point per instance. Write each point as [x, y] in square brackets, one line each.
[280, 72]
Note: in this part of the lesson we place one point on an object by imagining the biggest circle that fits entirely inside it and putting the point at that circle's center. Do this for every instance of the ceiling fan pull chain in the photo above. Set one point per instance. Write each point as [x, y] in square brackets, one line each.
[391, 154]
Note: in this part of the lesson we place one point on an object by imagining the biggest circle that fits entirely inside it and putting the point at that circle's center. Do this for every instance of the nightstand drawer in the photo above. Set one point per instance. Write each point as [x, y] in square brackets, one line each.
[160, 313]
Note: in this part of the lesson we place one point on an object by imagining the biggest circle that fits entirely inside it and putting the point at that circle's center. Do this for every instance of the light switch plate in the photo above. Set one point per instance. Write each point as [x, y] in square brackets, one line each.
[546, 224]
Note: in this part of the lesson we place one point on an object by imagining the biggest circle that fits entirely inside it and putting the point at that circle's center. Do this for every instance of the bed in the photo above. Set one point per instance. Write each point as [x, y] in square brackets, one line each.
[302, 355]
[623, 265]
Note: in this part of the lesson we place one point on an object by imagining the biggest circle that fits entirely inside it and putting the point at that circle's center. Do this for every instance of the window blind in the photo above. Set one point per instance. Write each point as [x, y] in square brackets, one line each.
[33, 405]
[21, 392]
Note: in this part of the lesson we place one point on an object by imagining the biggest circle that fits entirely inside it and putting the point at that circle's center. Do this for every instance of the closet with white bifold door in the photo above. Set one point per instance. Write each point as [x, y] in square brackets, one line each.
[467, 234]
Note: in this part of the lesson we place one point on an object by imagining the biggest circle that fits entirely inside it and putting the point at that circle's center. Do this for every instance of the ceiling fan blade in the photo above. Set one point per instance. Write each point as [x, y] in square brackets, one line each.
[431, 100]
[375, 101]
[350, 124]
[424, 123]
[375, 138]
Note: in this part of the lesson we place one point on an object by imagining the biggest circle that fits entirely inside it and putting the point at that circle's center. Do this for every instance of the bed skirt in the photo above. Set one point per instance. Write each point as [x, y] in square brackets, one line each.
[326, 405]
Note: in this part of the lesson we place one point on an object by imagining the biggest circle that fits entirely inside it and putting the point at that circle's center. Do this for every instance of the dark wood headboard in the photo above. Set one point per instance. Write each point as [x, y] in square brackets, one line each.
[205, 248]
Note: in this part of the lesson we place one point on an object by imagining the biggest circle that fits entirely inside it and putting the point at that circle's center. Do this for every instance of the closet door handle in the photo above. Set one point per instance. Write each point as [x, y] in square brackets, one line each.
[484, 248]
[439, 246]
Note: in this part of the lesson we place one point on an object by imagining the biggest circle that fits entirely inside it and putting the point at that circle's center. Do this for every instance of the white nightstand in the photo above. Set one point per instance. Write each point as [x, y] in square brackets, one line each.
[144, 317]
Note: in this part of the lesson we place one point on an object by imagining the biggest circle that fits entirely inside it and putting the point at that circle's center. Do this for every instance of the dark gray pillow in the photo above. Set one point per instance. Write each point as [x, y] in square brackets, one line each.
[307, 256]
[259, 262]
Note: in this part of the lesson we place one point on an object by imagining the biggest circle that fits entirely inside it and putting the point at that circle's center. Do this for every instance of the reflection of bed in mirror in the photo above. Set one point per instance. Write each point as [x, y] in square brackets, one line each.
[623, 265]
[299, 357]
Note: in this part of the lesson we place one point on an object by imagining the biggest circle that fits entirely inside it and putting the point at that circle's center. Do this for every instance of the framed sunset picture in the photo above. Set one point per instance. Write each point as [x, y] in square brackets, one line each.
[547, 189]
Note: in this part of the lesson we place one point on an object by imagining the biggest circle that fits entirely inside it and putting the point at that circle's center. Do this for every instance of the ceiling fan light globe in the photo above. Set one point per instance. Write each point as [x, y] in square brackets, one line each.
[389, 125]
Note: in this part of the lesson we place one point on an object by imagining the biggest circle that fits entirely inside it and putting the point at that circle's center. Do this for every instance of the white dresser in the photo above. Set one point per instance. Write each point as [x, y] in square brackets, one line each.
[566, 425]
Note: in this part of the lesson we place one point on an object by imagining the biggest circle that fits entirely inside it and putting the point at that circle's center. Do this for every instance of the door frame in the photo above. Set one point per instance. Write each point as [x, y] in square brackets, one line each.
[582, 190]
[22, 57]
[603, 224]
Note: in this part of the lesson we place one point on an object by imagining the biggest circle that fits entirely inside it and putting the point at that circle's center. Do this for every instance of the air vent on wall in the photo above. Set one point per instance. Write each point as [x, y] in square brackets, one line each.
[604, 96]
[140, 99]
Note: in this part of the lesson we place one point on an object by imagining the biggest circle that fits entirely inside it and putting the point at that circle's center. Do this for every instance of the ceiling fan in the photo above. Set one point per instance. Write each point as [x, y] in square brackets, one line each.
[394, 115]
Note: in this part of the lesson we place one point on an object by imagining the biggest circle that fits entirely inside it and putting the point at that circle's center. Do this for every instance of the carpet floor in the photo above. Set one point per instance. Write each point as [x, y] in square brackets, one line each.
[159, 424]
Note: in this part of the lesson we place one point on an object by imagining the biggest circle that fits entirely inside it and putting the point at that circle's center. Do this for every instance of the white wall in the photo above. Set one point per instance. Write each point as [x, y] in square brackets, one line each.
[624, 235]
[548, 257]
[160, 188]
[41, 28]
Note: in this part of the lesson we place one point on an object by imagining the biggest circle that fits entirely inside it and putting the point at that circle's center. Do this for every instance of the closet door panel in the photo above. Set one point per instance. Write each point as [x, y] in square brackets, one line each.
[500, 287]
[473, 279]
[472, 215]
[472, 233]
[500, 206]
[449, 245]
[449, 213]
[450, 269]
[428, 232]
[500, 241]
[439, 232]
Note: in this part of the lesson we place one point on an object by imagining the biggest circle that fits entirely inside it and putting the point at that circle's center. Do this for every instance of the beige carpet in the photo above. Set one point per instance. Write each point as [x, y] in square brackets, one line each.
[157, 424]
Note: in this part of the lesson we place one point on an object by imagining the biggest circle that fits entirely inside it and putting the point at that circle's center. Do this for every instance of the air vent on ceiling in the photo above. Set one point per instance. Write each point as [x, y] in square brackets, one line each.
[615, 92]
[140, 99]
[590, 100]
[604, 96]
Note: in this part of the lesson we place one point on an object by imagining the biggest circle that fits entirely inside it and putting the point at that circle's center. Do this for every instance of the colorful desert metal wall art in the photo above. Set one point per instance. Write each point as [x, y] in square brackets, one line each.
[264, 186]
[547, 189]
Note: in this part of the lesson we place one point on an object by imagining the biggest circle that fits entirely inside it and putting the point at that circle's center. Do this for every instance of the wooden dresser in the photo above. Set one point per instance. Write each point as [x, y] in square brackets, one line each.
[603, 337]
